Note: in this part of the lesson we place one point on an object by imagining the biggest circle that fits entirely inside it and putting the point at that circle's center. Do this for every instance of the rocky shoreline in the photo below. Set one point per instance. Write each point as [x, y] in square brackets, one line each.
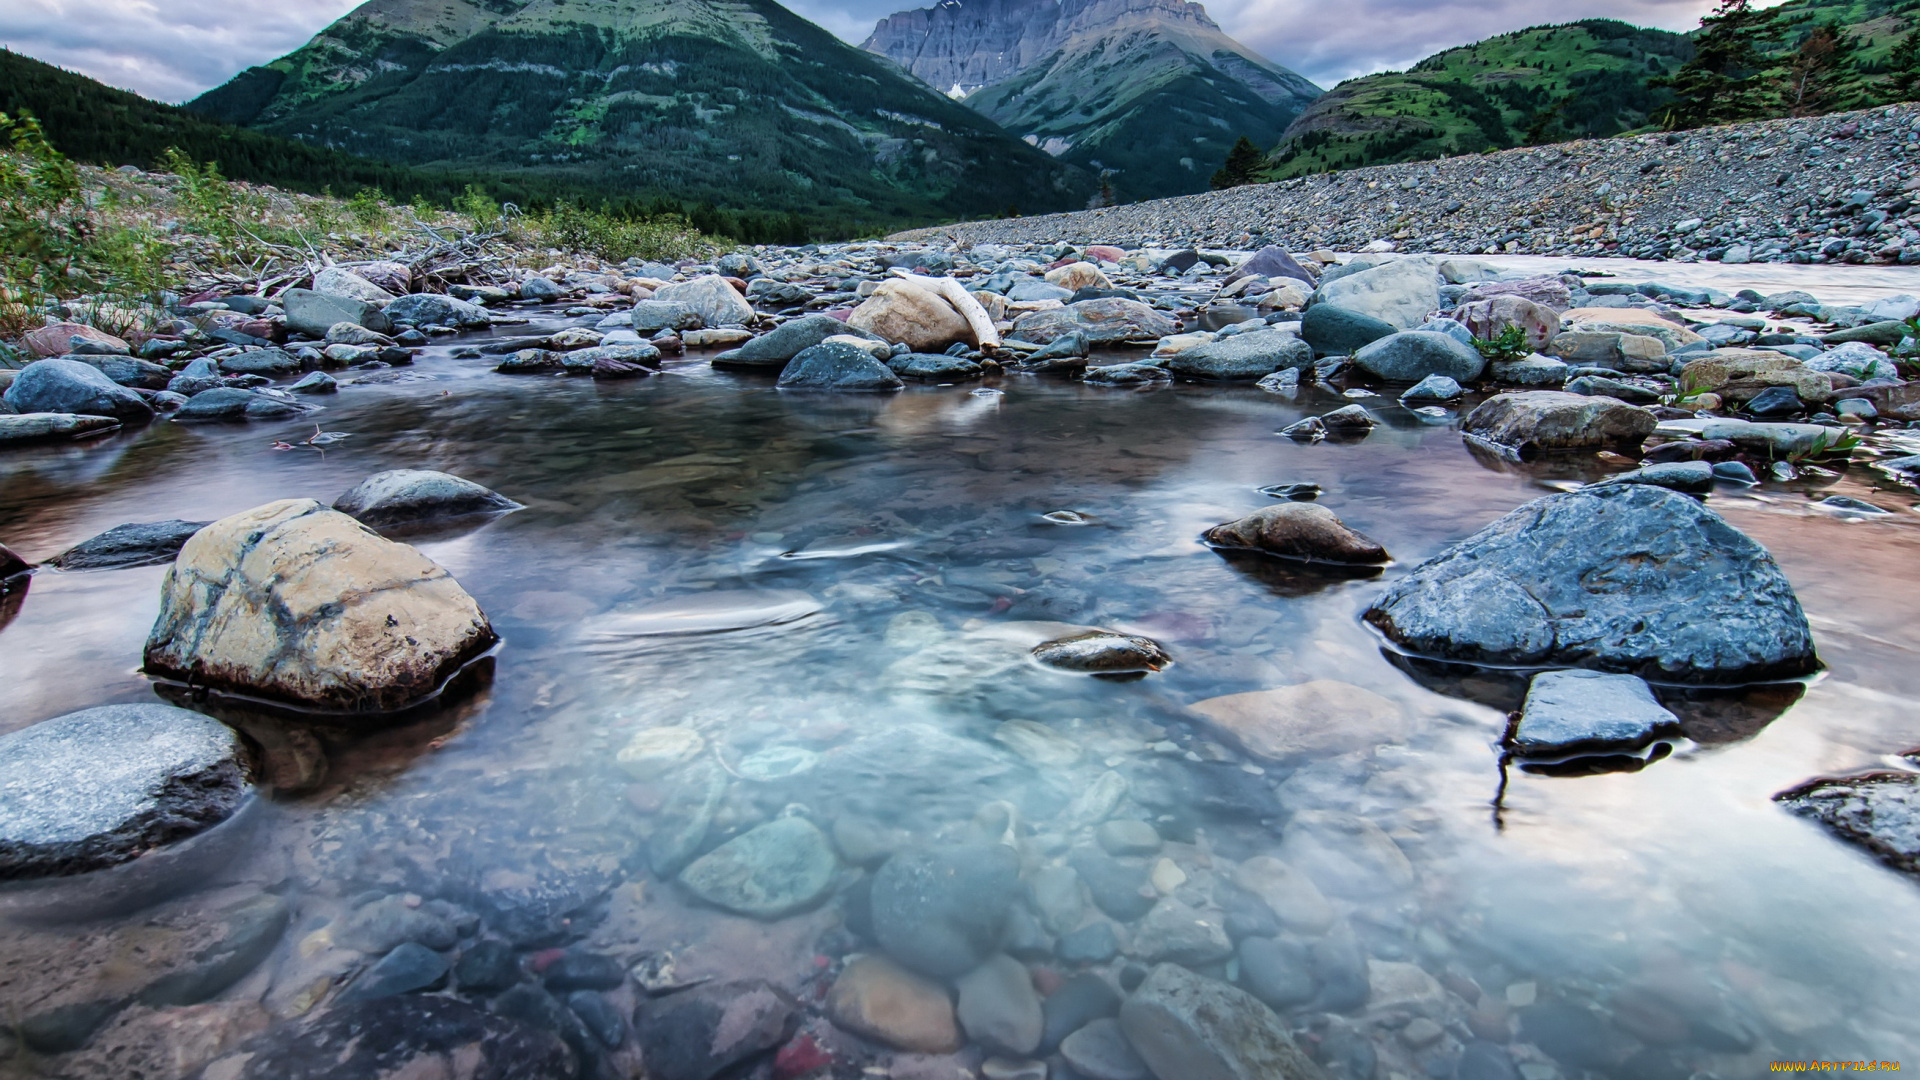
[1830, 189]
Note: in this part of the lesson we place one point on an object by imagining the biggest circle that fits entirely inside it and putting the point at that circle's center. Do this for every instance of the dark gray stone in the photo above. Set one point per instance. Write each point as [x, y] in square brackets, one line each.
[1270, 262]
[600, 1016]
[998, 1007]
[232, 403]
[487, 967]
[1692, 477]
[317, 382]
[837, 366]
[409, 967]
[1333, 331]
[1094, 943]
[407, 496]
[1880, 812]
[1080, 1001]
[1277, 971]
[382, 925]
[1776, 401]
[69, 386]
[942, 911]
[1618, 577]
[768, 872]
[267, 362]
[1576, 711]
[419, 1035]
[541, 289]
[931, 366]
[580, 970]
[1183, 1025]
[773, 349]
[102, 786]
[1617, 389]
[1138, 374]
[1242, 357]
[313, 314]
[1100, 1052]
[127, 371]
[1414, 355]
[1114, 884]
[429, 309]
[599, 359]
[128, 545]
[700, 1033]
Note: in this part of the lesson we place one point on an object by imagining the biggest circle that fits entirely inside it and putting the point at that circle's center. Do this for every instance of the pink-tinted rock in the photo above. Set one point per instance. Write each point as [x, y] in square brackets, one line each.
[57, 340]
[1545, 289]
[1488, 318]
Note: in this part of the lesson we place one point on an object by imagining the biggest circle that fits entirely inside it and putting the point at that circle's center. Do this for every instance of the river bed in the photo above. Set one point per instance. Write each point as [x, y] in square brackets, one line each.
[836, 593]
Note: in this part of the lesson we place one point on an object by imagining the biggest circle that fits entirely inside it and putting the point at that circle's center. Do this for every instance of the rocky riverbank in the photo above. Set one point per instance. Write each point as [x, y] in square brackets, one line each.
[1829, 189]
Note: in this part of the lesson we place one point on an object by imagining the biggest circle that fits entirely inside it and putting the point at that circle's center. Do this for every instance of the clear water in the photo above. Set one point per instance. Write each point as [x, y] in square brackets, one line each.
[864, 569]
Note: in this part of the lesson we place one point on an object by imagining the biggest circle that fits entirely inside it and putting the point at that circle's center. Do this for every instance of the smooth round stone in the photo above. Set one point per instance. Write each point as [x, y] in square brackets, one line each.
[1079, 1001]
[767, 872]
[1103, 652]
[1278, 972]
[402, 496]
[777, 763]
[1100, 1051]
[943, 911]
[1124, 837]
[999, 1007]
[99, 787]
[654, 752]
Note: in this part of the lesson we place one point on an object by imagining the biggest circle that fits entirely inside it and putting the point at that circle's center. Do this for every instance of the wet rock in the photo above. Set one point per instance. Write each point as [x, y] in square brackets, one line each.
[419, 1035]
[710, 297]
[11, 564]
[487, 967]
[1402, 292]
[768, 872]
[1333, 330]
[999, 1008]
[1055, 894]
[298, 603]
[1080, 1001]
[652, 316]
[1776, 401]
[57, 339]
[773, 349]
[932, 366]
[314, 313]
[430, 309]
[316, 382]
[1738, 375]
[1340, 965]
[701, 1033]
[1692, 477]
[1413, 355]
[1104, 322]
[1243, 357]
[1880, 812]
[1576, 711]
[1101, 651]
[1350, 419]
[128, 545]
[69, 386]
[1576, 1037]
[1094, 943]
[128, 371]
[942, 911]
[878, 999]
[1308, 719]
[602, 1018]
[1114, 884]
[48, 427]
[1177, 933]
[1346, 855]
[1297, 530]
[1626, 578]
[408, 968]
[1127, 837]
[1528, 422]
[1277, 971]
[1100, 1051]
[411, 496]
[1291, 895]
[1183, 1025]
[837, 366]
[1433, 388]
[102, 786]
[268, 362]
[232, 403]
[380, 926]
[579, 970]
[1483, 1060]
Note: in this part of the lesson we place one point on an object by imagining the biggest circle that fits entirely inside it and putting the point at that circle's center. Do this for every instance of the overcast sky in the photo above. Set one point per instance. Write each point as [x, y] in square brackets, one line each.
[174, 49]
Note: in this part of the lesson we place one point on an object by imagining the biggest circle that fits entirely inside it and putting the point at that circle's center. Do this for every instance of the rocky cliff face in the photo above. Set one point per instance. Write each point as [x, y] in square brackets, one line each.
[738, 101]
[1150, 92]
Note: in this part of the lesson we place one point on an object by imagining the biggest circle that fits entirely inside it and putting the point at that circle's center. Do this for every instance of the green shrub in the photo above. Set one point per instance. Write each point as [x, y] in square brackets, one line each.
[656, 237]
[1509, 344]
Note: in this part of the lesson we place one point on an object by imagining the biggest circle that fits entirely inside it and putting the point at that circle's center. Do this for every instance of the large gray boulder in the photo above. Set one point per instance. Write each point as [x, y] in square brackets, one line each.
[772, 350]
[431, 309]
[232, 403]
[99, 787]
[341, 282]
[314, 313]
[836, 365]
[1333, 330]
[1242, 357]
[1188, 1027]
[268, 362]
[69, 386]
[653, 316]
[127, 370]
[410, 496]
[1402, 292]
[1618, 577]
[710, 297]
[1110, 320]
[1415, 354]
[1528, 422]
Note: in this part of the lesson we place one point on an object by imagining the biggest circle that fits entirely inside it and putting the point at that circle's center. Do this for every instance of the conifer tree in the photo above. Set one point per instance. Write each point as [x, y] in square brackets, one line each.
[1816, 76]
[1903, 81]
[1243, 166]
[1722, 83]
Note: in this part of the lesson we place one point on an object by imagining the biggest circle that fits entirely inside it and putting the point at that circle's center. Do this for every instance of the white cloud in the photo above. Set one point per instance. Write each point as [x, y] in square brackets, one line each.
[169, 50]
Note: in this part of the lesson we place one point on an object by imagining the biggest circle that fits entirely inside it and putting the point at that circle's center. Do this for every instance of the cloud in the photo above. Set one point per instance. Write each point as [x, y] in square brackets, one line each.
[166, 49]
[175, 49]
[1377, 35]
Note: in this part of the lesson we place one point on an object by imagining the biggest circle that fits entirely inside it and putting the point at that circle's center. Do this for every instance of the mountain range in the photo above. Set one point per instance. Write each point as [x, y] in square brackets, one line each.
[740, 102]
[1151, 94]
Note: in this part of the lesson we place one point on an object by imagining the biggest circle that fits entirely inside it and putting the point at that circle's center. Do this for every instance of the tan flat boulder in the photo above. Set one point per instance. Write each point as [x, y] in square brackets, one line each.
[1630, 321]
[1738, 374]
[904, 312]
[1308, 719]
[1528, 422]
[297, 603]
